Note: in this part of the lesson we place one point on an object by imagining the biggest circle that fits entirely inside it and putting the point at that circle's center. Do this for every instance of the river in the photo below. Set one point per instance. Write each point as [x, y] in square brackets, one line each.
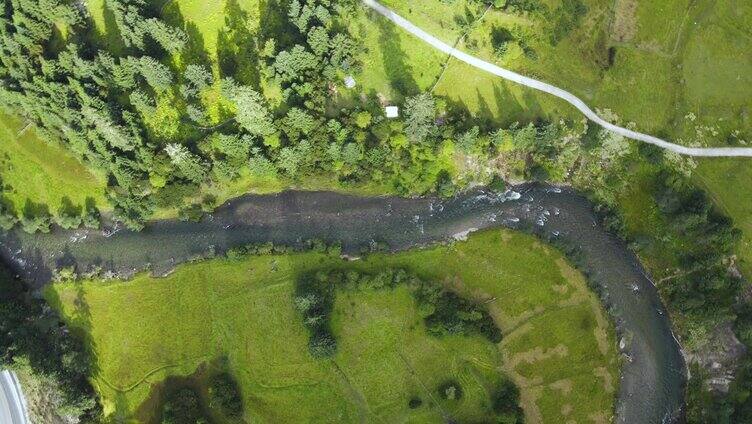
[653, 375]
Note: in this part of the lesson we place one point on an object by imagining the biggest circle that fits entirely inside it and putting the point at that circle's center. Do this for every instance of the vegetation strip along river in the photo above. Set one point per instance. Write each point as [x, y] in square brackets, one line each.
[653, 376]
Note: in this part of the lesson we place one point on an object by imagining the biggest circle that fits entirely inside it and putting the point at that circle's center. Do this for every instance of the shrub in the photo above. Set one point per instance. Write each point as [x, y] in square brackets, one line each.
[505, 402]
[182, 407]
[67, 221]
[415, 402]
[314, 299]
[191, 213]
[7, 218]
[91, 218]
[450, 390]
[33, 223]
[224, 395]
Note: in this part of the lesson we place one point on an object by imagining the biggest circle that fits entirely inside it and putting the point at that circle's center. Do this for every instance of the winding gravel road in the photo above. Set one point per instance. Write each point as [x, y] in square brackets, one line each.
[556, 91]
[12, 401]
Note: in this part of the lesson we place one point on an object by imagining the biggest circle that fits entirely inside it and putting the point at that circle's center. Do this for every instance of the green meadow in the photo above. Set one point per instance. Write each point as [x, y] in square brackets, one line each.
[238, 316]
[730, 183]
[41, 173]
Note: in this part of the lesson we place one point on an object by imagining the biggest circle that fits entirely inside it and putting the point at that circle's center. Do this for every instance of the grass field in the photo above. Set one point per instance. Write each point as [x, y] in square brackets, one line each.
[730, 182]
[558, 345]
[41, 172]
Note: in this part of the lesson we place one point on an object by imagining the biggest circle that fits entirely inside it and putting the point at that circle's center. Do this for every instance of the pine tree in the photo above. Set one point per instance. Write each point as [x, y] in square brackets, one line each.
[420, 112]
[252, 113]
[189, 164]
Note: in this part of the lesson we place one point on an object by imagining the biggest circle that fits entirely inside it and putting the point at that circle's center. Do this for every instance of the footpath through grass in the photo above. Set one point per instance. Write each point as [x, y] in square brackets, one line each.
[558, 346]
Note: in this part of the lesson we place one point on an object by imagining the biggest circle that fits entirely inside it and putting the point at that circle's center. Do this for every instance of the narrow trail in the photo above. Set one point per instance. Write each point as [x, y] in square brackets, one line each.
[556, 91]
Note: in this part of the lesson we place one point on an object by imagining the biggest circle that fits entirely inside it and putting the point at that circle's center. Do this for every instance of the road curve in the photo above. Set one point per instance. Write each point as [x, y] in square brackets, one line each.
[12, 401]
[556, 91]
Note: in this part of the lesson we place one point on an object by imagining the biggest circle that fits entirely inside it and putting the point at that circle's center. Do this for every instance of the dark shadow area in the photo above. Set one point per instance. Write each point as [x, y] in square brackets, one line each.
[194, 52]
[237, 51]
[66, 260]
[484, 116]
[512, 110]
[67, 206]
[210, 393]
[273, 14]
[71, 347]
[32, 209]
[398, 70]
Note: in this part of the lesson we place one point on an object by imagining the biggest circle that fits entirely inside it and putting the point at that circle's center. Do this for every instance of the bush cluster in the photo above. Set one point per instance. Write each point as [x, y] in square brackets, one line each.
[269, 248]
[224, 396]
[183, 406]
[443, 311]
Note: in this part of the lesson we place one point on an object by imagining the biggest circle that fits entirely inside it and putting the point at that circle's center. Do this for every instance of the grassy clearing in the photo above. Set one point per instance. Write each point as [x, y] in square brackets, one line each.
[242, 311]
[209, 17]
[729, 182]
[33, 170]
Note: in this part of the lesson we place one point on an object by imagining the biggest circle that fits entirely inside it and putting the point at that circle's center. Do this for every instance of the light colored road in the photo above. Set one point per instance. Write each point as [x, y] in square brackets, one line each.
[556, 91]
[12, 401]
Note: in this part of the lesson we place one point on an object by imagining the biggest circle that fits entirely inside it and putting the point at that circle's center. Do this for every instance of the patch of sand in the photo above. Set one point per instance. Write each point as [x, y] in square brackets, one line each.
[624, 25]
[538, 354]
[566, 409]
[608, 383]
[528, 399]
[600, 418]
[565, 386]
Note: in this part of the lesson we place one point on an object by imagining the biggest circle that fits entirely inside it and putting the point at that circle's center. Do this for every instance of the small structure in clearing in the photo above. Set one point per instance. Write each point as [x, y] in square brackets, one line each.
[391, 111]
[349, 81]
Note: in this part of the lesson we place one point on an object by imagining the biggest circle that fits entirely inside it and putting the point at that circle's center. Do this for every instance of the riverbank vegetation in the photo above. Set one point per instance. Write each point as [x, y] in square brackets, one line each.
[35, 341]
[558, 346]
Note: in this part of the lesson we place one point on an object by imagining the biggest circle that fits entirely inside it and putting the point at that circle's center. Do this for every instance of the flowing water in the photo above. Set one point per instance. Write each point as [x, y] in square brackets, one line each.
[653, 374]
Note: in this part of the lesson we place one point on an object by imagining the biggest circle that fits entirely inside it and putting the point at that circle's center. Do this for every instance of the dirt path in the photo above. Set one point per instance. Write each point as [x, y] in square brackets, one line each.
[556, 91]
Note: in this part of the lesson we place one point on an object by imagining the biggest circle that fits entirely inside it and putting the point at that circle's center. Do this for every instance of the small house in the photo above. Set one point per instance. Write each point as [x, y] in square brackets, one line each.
[392, 111]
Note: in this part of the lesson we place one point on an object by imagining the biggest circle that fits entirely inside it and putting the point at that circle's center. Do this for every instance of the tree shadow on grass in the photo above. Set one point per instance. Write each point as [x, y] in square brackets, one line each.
[110, 38]
[511, 109]
[67, 207]
[237, 51]
[398, 70]
[273, 15]
[194, 52]
[36, 216]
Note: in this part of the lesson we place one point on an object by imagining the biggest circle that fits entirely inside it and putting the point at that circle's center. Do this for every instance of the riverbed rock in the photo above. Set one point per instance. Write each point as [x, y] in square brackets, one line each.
[719, 357]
